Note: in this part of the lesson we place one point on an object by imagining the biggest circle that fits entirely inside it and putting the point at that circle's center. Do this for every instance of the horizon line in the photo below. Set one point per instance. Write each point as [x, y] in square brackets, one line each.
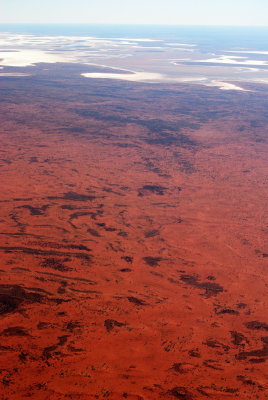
[133, 24]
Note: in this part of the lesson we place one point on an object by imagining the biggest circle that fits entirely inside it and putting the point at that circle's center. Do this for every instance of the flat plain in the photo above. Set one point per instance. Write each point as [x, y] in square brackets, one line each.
[133, 229]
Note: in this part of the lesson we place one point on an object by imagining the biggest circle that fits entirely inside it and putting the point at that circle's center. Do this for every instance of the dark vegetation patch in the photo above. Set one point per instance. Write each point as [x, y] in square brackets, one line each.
[181, 393]
[194, 353]
[128, 259]
[215, 344]
[152, 261]
[238, 338]
[38, 290]
[5, 348]
[212, 364]
[126, 145]
[44, 325]
[202, 390]
[226, 311]
[257, 360]
[13, 296]
[48, 351]
[93, 232]
[110, 229]
[125, 270]
[20, 269]
[14, 216]
[39, 252]
[259, 353]
[211, 288]
[55, 245]
[137, 302]
[70, 207]
[75, 349]
[156, 274]
[62, 288]
[55, 263]
[73, 326]
[155, 189]
[154, 125]
[174, 280]
[160, 125]
[15, 331]
[152, 233]
[167, 139]
[33, 160]
[85, 291]
[79, 214]
[73, 196]
[20, 234]
[110, 324]
[245, 381]
[110, 190]
[77, 247]
[186, 166]
[35, 210]
[211, 278]
[221, 389]
[241, 306]
[69, 278]
[28, 199]
[257, 326]
[122, 234]
[182, 368]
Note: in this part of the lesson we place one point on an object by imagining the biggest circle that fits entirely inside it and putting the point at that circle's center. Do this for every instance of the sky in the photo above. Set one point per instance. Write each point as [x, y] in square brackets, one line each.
[173, 12]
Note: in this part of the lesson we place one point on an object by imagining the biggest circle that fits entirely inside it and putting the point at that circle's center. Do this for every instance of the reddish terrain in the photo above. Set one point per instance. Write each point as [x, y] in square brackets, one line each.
[133, 240]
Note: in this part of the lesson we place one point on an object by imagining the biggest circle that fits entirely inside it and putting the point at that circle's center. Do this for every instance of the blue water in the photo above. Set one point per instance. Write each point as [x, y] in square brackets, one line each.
[251, 38]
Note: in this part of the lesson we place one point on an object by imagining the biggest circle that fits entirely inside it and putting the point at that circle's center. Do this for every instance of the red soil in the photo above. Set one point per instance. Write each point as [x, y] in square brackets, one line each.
[133, 252]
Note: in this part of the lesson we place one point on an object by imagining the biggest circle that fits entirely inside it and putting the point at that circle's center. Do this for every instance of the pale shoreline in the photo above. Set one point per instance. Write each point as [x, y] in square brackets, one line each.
[153, 77]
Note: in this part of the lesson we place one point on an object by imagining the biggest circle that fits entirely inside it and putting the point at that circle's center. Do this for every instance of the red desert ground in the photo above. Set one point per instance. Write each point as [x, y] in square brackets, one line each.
[133, 228]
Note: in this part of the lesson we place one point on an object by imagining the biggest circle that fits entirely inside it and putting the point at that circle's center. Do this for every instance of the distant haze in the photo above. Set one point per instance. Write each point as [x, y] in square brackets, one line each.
[177, 12]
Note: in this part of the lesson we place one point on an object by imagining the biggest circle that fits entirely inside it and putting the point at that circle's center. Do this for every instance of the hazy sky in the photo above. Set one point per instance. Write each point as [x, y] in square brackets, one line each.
[179, 12]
